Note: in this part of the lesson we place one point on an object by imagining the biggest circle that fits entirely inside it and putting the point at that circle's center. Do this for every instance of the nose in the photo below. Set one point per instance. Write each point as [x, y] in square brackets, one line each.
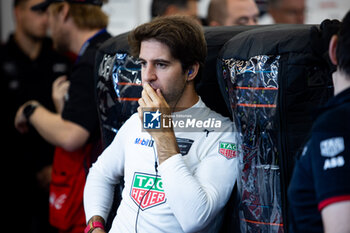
[148, 73]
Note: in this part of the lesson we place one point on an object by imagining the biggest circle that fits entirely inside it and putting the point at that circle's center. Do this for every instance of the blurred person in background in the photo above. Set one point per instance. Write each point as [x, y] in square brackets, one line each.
[175, 7]
[319, 191]
[232, 12]
[28, 67]
[77, 26]
[284, 11]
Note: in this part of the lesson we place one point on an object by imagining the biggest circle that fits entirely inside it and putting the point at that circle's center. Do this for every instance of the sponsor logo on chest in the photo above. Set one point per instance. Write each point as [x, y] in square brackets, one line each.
[147, 190]
[144, 142]
[227, 149]
[333, 162]
[331, 148]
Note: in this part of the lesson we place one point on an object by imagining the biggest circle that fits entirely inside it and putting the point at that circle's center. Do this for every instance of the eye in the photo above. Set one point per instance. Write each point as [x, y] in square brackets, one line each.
[161, 65]
[242, 21]
[142, 63]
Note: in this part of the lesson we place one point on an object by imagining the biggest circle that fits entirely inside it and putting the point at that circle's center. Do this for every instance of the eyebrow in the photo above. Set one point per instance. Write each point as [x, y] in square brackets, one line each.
[161, 61]
[156, 60]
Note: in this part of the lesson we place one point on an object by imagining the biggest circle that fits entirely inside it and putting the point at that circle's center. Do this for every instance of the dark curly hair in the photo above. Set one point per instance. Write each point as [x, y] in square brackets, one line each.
[183, 35]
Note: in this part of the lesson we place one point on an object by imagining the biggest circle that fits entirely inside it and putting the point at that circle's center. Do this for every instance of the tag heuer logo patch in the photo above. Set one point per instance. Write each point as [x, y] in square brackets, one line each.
[141, 184]
[227, 149]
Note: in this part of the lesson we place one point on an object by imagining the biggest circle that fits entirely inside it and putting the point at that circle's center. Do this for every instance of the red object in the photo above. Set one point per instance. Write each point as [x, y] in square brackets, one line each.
[93, 225]
[67, 186]
[332, 200]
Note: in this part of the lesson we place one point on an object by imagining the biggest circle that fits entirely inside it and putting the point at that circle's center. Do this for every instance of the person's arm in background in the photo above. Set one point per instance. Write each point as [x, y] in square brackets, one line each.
[57, 130]
[336, 217]
[52, 127]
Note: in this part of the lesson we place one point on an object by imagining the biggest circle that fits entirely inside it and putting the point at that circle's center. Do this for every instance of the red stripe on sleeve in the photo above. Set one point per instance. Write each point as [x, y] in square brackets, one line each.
[332, 200]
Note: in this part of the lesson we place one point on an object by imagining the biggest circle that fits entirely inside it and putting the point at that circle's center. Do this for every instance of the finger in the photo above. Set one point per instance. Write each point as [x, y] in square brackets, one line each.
[18, 115]
[57, 83]
[20, 123]
[150, 91]
[140, 112]
[65, 86]
[60, 79]
[146, 99]
[141, 102]
[62, 88]
[67, 83]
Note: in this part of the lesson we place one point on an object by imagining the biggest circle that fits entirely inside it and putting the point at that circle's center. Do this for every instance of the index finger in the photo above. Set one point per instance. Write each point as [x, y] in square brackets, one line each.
[60, 79]
[150, 92]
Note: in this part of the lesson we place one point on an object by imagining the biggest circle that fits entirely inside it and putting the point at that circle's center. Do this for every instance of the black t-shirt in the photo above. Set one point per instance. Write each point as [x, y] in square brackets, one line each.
[321, 175]
[81, 107]
[23, 79]
[23, 155]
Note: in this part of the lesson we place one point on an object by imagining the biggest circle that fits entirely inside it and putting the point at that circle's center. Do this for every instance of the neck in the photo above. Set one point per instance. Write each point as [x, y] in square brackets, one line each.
[29, 45]
[341, 82]
[80, 37]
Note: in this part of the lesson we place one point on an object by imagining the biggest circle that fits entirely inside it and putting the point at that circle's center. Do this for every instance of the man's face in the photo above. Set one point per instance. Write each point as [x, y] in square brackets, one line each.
[241, 12]
[192, 8]
[161, 70]
[33, 23]
[289, 12]
[59, 34]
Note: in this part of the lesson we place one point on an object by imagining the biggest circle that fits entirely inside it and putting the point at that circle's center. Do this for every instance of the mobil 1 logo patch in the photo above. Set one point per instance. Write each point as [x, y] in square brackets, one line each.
[147, 190]
[228, 150]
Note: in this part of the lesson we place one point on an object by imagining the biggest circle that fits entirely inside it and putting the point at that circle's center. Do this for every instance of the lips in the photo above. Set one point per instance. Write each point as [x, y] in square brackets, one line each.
[153, 86]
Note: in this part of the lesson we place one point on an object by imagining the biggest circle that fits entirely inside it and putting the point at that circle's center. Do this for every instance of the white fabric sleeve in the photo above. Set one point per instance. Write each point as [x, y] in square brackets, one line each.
[102, 178]
[196, 198]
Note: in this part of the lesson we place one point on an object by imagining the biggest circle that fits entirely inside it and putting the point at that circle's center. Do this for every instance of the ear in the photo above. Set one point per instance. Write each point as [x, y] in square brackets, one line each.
[332, 49]
[65, 11]
[192, 72]
[171, 10]
[17, 13]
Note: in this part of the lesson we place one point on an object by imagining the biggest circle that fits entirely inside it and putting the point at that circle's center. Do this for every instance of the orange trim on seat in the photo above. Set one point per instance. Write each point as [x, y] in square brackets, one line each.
[263, 223]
